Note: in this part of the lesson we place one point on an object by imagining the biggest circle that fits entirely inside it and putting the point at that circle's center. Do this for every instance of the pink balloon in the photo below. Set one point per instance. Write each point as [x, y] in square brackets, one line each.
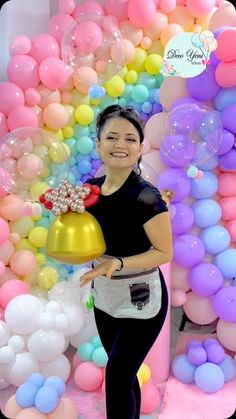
[200, 8]
[4, 231]
[66, 6]
[23, 70]
[44, 46]
[6, 252]
[167, 6]
[226, 74]
[5, 182]
[226, 333]
[141, 12]
[150, 398]
[23, 262]
[2, 270]
[12, 289]
[32, 97]
[231, 227]
[224, 16]
[22, 116]
[226, 49]
[65, 409]
[227, 184]
[117, 8]
[53, 72]
[30, 166]
[12, 408]
[11, 207]
[228, 206]
[58, 25]
[154, 130]
[55, 116]
[3, 125]
[199, 309]
[159, 22]
[87, 7]
[7, 275]
[88, 376]
[20, 45]
[11, 96]
[178, 298]
[172, 89]
[88, 36]
[30, 413]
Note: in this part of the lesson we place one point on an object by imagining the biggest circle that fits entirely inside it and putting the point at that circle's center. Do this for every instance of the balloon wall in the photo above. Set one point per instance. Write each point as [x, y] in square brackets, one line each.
[95, 54]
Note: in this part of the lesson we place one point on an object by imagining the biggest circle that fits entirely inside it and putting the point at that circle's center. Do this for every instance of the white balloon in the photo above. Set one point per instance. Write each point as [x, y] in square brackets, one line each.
[61, 323]
[3, 379]
[22, 314]
[88, 331]
[7, 355]
[24, 365]
[60, 292]
[60, 367]
[46, 321]
[75, 316]
[17, 343]
[53, 307]
[4, 333]
[45, 345]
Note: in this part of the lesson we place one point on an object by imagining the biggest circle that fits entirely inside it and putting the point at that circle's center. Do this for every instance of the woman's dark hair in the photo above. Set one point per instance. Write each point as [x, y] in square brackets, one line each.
[116, 111]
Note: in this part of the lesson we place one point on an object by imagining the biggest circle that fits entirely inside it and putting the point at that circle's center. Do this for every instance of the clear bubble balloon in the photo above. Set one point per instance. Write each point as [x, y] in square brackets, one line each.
[27, 157]
[93, 49]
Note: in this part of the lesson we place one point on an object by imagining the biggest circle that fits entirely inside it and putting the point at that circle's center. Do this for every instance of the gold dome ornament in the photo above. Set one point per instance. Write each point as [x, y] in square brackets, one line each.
[75, 236]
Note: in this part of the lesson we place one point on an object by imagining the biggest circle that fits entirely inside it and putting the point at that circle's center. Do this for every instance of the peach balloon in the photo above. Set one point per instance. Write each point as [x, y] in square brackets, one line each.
[155, 129]
[167, 6]
[226, 333]
[48, 96]
[6, 252]
[84, 77]
[182, 16]
[160, 21]
[152, 158]
[228, 206]
[146, 42]
[12, 408]
[199, 309]
[225, 15]
[227, 184]
[30, 166]
[30, 413]
[11, 207]
[178, 298]
[172, 89]
[66, 409]
[179, 278]
[231, 227]
[23, 262]
[55, 116]
[171, 30]
[130, 32]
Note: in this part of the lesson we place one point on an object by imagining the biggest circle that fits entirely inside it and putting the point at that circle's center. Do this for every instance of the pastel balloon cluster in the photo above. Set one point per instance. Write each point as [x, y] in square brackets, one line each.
[225, 53]
[41, 397]
[206, 364]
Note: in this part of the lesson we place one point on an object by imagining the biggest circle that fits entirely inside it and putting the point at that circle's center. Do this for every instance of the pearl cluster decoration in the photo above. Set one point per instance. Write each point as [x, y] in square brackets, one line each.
[67, 197]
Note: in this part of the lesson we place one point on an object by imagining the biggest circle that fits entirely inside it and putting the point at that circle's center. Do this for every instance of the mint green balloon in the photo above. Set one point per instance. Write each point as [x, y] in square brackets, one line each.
[100, 357]
[147, 80]
[159, 80]
[80, 131]
[43, 222]
[85, 351]
[123, 101]
[107, 101]
[139, 93]
[128, 90]
[96, 341]
[84, 145]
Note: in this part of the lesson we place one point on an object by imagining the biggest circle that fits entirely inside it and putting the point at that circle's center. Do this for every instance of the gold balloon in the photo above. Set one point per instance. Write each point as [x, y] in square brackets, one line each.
[75, 238]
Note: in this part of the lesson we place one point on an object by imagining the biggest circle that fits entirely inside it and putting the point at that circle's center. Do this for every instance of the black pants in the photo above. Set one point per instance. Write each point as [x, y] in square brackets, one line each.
[127, 342]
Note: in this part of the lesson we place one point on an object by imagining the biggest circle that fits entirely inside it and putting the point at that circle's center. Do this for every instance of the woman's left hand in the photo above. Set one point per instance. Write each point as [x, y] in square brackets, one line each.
[105, 268]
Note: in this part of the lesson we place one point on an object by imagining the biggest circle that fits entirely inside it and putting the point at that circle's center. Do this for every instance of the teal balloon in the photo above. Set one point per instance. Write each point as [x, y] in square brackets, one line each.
[96, 341]
[123, 101]
[79, 130]
[140, 93]
[84, 145]
[85, 351]
[127, 92]
[100, 357]
[147, 80]
[43, 222]
[107, 101]
[159, 80]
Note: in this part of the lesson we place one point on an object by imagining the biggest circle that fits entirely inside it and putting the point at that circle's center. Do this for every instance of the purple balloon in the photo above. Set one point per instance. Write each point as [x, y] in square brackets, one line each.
[228, 160]
[224, 304]
[205, 279]
[197, 355]
[214, 60]
[209, 341]
[227, 142]
[209, 377]
[156, 108]
[178, 148]
[204, 86]
[177, 181]
[215, 353]
[188, 250]
[144, 117]
[228, 118]
[185, 118]
[184, 101]
[183, 219]
[96, 164]
[168, 162]
[193, 344]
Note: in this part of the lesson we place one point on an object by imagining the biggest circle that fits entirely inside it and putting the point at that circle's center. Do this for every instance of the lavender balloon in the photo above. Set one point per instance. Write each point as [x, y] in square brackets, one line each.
[188, 250]
[228, 160]
[224, 303]
[228, 366]
[228, 118]
[183, 219]
[204, 86]
[178, 148]
[185, 118]
[205, 279]
[197, 355]
[177, 181]
[193, 344]
[209, 341]
[227, 142]
[215, 353]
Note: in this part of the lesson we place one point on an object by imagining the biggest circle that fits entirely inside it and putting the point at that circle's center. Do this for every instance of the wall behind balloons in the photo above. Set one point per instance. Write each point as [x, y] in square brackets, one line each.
[38, 93]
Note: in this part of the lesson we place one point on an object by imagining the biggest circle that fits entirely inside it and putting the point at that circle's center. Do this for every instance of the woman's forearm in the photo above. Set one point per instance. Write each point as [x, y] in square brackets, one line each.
[150, 259]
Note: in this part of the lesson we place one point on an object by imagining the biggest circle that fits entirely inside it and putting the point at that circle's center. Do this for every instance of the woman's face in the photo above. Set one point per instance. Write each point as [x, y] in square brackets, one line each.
[119, 145]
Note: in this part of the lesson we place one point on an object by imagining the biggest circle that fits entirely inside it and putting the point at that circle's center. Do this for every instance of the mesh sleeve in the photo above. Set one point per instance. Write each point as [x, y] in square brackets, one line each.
[150, 203]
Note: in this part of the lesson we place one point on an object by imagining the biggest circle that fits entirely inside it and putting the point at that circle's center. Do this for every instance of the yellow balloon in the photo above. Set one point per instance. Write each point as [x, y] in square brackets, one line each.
[115, 87]
[137, 63]
[95, 102]
[144, 373]
[38, 236]
[22, 226]
[57, 153]
[67, 149]
[131, 76]
[84, 114]
[24, 244]
[71, 110]
[37, 189]
[68, 132]
[47, 277]
[41, 258]
[45, 172]
[78, 98]
[122, 72]
[153, 63]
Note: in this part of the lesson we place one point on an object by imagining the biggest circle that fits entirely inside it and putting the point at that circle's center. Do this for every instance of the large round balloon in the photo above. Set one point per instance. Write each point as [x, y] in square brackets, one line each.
[94, 50]
[194, 135]
[32, 161]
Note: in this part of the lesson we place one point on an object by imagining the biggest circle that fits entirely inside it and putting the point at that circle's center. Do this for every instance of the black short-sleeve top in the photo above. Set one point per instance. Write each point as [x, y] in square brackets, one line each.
[123, 213]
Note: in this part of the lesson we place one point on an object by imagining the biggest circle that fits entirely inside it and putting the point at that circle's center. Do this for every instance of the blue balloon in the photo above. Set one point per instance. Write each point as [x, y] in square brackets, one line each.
[84, 167]
[147, 107]
[215, 239]
[100, 357]
[196, 40]
[25, 395]
[204, 187]
[226, 262]
[57, 383]
[36, 379]
[46, 399]
[85, 351]
[96, 341]
[207, 212]
[183, 369]
[94, 155]
[209, 377]
[228, 367]
[224, 98]
[210, 164]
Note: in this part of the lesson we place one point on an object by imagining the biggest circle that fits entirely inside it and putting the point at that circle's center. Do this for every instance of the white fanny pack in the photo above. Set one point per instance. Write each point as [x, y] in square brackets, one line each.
[135, 296]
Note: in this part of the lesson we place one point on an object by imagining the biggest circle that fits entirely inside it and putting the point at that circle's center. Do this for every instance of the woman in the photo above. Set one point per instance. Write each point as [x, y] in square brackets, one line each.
[130, 295]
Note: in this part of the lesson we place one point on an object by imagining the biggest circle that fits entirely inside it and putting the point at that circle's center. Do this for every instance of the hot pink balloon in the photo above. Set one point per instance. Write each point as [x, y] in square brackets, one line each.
[117, 8]
[23, 262]
[199, 309]
[44, 46]
[88, 36]
[227, 184]
[67, 6]
[53, 72]
[228, 206]
[200, 8]
[141, 12]
[3, 125]
[22, 116]
[58, 25]
[20, 45]
[11, 96]
[12, 289]
[4, 230]
[30, 166]
[226, 49]
[231, 227]
[87, 7]
[23, 70]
